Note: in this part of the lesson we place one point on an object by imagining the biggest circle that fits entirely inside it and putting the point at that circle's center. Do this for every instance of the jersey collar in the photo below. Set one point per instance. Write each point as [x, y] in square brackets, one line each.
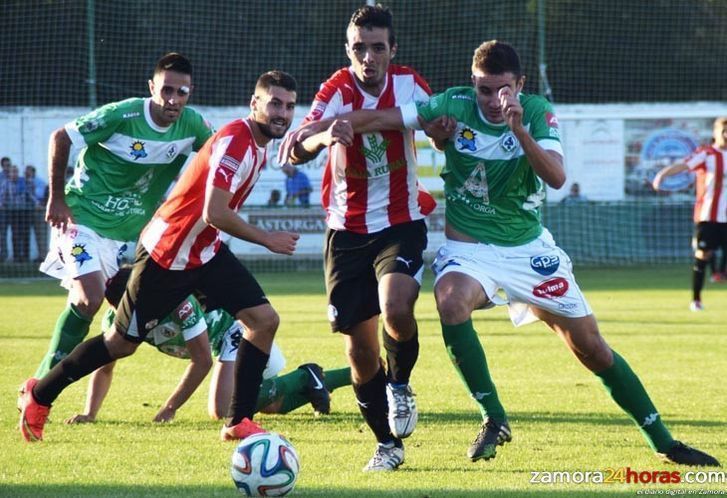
[149, 120]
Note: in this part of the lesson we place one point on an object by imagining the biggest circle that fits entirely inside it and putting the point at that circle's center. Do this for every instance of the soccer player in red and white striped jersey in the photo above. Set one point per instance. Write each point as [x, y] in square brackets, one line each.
[180, 252]
[376, 233]
[710, 208]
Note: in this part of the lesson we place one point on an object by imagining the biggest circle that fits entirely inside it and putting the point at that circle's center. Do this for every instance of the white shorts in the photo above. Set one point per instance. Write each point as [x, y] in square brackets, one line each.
[228, 352]
[537, 274]
[80, 251]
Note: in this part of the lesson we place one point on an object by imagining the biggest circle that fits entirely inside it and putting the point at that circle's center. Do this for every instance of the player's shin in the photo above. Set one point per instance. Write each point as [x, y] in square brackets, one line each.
[400, 357]
[70, 330]
[627, 391]
[84, 359]
[468, 357]
[249, 365]
[371, 399]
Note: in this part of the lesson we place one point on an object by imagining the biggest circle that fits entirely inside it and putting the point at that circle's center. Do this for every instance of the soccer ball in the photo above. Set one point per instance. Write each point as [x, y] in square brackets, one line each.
[265, 464]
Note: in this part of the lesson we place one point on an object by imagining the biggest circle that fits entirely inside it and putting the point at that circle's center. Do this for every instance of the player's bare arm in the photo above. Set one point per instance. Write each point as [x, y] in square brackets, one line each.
[547, 164]
[199, 365]
[439, 130]
[57, 213]
[218, 214]
[671, 170]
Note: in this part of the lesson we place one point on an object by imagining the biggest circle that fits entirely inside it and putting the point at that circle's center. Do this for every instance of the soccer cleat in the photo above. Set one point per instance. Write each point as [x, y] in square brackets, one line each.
[696, 306]
[492, 434]
[316, 391]
[686, 455]
[718, 277]
[388, 456]
[245, 428]
[403, 413]
[33, 416]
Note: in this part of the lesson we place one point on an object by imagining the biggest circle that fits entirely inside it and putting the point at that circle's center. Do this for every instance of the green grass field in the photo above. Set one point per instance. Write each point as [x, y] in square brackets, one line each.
[562, 419]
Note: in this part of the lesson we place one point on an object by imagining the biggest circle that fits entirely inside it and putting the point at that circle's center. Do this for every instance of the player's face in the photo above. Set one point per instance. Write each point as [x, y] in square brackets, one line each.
[370, 55]
[487, 87]
[169, 94]
[273, 111]
[720, 133]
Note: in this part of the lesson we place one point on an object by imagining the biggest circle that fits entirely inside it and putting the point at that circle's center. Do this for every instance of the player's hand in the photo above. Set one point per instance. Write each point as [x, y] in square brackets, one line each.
[58, 214]
[512, 111]
[282, 242]
[340, 132]
[166, 414]
[292, 138]
[81, 418]
[439, 129]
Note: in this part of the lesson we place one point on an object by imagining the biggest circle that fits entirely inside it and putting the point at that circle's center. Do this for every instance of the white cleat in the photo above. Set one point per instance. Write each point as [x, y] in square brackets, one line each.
[403, 413]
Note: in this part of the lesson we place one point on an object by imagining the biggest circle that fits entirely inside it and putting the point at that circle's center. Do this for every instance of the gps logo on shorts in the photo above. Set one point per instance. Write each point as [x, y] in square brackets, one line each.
[555, 287]
[545, 265]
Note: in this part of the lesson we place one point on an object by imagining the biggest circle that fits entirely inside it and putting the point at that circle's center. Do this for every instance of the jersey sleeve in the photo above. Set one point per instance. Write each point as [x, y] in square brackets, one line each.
[232, 160]
[96, 126]
[428, 109]
[697, 160]
[190, 318]
[329, 100]
[203, 130]
[543, 124]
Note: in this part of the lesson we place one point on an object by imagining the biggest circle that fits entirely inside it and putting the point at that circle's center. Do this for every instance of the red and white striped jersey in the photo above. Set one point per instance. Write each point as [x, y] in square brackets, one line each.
[711, 203]
[372, 184]
[177, 237]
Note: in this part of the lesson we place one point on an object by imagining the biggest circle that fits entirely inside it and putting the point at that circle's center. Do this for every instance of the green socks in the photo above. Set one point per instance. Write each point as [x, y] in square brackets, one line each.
[626, 390]
[291, 388]
[69, 332]
[468, 358]
[336, 378]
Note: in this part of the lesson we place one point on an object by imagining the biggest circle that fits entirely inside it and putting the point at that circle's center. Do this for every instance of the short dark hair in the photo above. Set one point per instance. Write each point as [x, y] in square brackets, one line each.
[374, 16]
[496, 57]
[173, 61]
[275, 78]
[5, 159]
[116, 286]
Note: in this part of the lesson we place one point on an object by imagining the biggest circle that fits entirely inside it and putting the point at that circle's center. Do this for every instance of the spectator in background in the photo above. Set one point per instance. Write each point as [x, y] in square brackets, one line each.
[14, 200]
[274, 199]
[36, 191]
[574, 196]
[4, 174]
[297, 187]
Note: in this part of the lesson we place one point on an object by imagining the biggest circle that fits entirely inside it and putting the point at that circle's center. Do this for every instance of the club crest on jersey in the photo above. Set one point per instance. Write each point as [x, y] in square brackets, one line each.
[466, 139]
[137, 150]
[172, 151]
[508, 142]
[545, 265]
[80, 256]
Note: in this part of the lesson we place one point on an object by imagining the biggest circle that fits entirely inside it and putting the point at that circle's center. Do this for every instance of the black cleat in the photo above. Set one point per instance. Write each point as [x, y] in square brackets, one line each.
[492, 434]
[316, 391]
[686, 455]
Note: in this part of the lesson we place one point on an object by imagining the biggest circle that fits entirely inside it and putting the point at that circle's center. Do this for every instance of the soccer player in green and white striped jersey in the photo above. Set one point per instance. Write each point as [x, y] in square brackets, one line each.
[131, 151]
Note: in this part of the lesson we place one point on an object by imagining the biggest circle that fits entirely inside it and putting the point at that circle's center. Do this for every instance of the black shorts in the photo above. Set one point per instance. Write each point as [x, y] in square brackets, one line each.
[709, 236]
[355, 262]
[153, 291]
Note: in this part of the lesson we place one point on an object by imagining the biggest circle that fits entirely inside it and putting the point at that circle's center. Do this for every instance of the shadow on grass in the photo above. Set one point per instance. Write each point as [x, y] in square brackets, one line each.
[76, 490]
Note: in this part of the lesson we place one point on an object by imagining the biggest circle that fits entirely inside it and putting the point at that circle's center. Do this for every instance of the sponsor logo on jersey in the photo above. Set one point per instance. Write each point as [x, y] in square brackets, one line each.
[130, 115]
[508, 142]
[91, 125]
[545, 265]
[551, 119]
[376, 150]
[172, 151]
[137, 150]
[555, 287]
[458, 96]
[466, 139]
[167, 331]
[80, 256]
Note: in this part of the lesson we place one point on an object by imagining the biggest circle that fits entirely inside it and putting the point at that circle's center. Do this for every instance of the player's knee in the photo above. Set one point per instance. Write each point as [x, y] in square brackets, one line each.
[398, 315]
[265, 321]
[88, 304]
[452, 308]
[363, 360]
[118, 346]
